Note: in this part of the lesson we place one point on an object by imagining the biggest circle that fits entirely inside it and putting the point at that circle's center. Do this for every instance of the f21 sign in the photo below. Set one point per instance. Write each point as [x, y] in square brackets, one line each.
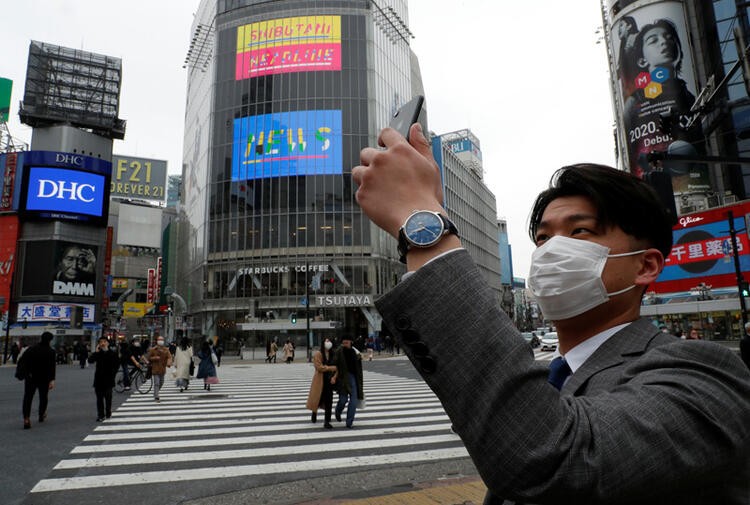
[61, 193]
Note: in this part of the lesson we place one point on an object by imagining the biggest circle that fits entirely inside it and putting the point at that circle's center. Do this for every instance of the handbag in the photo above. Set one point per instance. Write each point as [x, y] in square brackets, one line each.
[22, 368]
[212, 380]
[362, 405]
[191, 371]
[214, 359]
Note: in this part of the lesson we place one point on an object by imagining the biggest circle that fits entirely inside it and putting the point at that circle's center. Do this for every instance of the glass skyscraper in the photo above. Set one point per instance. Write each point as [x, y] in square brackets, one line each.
[282, 96]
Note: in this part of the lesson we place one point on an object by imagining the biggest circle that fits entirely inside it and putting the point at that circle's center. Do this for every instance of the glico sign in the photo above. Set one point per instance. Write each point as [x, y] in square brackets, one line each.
[65, 186]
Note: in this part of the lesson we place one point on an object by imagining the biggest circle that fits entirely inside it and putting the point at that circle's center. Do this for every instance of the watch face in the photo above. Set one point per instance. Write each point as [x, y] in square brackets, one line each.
[423, 228]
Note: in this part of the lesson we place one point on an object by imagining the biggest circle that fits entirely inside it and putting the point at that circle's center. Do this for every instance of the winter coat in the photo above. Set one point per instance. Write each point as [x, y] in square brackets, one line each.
[288, 350]
[107, 364]
[182, 361]
[160, 359]
[342, 376]
[40, 363]
[206, 367]
[322, 373]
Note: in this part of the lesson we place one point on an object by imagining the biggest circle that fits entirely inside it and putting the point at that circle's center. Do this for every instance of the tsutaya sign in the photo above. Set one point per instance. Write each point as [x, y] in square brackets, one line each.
[343, 300]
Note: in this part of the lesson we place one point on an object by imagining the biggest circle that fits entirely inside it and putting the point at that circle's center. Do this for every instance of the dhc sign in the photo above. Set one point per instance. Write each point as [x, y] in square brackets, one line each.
[62, 190]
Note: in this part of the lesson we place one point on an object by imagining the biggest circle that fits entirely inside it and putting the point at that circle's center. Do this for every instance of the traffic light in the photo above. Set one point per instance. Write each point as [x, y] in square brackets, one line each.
[745, 289]
[76, 316]
[332, 280]
[293, 317]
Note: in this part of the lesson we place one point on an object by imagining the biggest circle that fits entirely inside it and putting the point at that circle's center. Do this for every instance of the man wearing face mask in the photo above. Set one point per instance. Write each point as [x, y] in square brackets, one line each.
[160, 359]
[627, 414]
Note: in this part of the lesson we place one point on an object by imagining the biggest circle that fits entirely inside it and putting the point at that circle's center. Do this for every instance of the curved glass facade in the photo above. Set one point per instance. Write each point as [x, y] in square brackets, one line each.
[282, 96]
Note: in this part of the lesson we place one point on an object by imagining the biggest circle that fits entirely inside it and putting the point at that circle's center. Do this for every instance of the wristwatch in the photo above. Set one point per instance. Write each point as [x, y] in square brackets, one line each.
[424, 228]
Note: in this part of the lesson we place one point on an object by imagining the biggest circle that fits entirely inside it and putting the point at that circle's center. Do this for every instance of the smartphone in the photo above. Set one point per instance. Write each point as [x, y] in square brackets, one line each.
[410, 113]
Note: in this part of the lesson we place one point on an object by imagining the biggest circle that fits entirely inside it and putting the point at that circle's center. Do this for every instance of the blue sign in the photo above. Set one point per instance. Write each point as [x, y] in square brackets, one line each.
[65, 191]
[67, 160]
[287, 144]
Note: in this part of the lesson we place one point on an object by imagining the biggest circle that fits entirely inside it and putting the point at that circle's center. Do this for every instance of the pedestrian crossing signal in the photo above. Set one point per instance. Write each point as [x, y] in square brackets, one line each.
[293, 317]
[745, 289]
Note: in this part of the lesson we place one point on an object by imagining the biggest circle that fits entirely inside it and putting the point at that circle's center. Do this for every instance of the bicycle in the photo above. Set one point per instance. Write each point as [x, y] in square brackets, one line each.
[137, 380]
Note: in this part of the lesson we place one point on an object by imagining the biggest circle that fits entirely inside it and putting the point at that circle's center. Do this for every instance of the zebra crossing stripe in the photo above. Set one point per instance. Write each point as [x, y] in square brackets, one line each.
[151, 459]
[140, 478]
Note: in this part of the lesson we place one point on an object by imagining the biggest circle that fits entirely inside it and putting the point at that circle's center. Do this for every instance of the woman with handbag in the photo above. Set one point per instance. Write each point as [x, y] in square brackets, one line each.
[207, 366]
[321, 389]
[183, 363]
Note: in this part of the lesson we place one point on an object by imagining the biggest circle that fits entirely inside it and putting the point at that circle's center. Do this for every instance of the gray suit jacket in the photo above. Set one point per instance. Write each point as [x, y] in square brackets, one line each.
[647, 419]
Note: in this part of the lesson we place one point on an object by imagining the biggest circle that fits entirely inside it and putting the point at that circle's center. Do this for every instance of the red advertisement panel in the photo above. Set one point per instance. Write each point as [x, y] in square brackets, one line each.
[150, 289]
[702, 250]
[8, 241]
[9, 179]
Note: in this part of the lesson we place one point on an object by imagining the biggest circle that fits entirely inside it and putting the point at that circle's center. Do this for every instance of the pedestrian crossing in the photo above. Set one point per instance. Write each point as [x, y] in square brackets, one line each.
[253, 424]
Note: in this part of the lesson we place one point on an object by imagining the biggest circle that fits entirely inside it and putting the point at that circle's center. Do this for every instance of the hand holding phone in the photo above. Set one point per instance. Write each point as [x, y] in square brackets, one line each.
[410, 113]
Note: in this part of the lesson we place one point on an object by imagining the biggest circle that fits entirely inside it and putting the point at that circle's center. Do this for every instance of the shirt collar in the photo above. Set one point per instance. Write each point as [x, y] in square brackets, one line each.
[578, 355]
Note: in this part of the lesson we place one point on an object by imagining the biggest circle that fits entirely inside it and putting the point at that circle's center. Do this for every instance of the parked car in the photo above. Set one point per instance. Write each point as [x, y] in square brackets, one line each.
[549, 341]
[531, 338]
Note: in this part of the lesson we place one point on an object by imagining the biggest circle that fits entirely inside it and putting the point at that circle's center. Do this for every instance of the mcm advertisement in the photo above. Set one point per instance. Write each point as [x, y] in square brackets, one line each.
[656, 74]
[287, 144]
[702, 250]
[55, 268]
[298, 44]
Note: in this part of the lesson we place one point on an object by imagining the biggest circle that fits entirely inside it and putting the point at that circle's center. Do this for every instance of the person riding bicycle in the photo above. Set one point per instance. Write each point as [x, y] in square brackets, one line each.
[125, 358]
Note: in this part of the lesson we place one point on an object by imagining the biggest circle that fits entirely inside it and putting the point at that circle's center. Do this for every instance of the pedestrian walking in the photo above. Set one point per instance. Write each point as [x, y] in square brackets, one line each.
[14, 350]
[107, 363]
[160, 359]
[207, 366]
[348, 377]
[183, 363]
[273, 348]
[321, 389]
[82, 353]
[219, 351]
[288, 350]
[36, 367]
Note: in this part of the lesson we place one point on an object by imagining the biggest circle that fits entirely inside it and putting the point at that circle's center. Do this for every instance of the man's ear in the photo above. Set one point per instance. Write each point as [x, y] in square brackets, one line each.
[651, 266]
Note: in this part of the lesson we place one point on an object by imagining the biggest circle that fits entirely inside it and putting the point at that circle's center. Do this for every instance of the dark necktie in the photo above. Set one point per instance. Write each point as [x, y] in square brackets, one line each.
[559, 370]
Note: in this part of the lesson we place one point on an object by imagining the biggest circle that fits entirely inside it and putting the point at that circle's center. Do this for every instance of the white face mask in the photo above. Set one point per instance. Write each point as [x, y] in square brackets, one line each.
[566, 276]
[328, 345]
[159, 342]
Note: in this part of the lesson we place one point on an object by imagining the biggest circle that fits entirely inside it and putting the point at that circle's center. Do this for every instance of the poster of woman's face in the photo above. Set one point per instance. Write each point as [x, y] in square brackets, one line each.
[656, 75]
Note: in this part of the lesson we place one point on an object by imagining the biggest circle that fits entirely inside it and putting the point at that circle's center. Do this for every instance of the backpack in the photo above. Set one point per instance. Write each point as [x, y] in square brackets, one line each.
[22, 367]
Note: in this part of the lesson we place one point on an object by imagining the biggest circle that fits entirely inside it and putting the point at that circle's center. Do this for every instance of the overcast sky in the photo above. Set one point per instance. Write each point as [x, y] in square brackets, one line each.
[528, 79]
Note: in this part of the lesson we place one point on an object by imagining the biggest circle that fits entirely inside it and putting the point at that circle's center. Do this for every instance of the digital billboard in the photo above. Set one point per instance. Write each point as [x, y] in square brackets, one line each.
[287, 144]
[654, 65]
[140, 178]
[284, 45]
[65, 191]
[8, 240]
[702, 250]
[56, 268]
[65, 186]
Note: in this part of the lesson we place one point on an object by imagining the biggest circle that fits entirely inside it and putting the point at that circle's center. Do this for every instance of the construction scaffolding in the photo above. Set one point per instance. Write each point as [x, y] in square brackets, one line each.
[73, 87]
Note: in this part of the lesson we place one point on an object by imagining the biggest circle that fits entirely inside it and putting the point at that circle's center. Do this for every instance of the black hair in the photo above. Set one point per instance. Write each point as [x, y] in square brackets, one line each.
[621, 199]
[47, 337]
[670, 27]
[184, 343]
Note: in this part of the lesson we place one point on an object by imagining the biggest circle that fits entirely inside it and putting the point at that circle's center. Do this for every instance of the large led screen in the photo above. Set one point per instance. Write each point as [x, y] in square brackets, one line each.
[60, 269]
[655, 68]
[71, 192]
[287, 144]
[702, 250]
[298, 44]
